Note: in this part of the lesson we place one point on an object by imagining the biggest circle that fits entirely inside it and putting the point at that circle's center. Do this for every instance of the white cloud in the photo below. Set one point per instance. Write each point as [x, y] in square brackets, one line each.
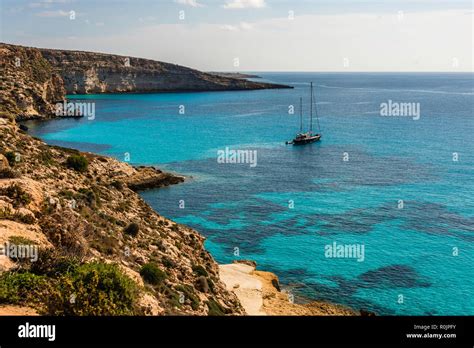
[422, 41]
[147, 19]
[52, 14]
[246, 26]
[47, 3]
[238, 4]
[192, 3]
[229, 27]
[240, 26]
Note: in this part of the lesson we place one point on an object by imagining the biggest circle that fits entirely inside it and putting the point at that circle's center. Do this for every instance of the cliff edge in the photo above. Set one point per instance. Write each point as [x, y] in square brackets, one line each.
[90, 72]
[75, 237]
[34, 80]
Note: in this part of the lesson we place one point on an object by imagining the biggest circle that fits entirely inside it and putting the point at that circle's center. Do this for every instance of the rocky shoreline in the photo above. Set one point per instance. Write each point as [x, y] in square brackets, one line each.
[81, 212]
[79, 208]
[260, 293]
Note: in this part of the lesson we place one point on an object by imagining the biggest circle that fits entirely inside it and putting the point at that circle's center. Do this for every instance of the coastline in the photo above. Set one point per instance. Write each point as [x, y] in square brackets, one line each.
[257, 291]
[85, 206]
[260, 294]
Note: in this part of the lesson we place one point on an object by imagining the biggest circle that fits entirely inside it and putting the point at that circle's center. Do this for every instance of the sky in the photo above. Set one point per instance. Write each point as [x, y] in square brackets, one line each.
[255, 35]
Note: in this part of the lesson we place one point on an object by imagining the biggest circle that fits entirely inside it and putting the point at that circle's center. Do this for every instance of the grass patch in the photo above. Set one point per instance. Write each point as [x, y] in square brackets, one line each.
[19, 240]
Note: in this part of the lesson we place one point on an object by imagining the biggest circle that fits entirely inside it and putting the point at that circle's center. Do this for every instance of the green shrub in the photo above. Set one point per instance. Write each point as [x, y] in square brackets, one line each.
[172, 297]
[8, 173]
[46, 156]
[20, 287]
[105, 244]
[167, 262]
[200, 270]
[152, 274]
[77, 162]
[90, 197]
[189, 294]
[59, 285]
[132, 229]
[53, 263]
[159, 244]
[17, 194]
[11, 157]
[211, 285]
[117, 184]
[214, 308]
[94, 289]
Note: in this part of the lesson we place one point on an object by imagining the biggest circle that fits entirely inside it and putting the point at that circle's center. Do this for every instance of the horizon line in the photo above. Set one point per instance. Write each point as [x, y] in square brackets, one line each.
[242, 71]
[337, 71]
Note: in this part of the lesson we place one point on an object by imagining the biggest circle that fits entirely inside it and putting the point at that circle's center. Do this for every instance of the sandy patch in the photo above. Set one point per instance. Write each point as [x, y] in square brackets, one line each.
[259, 294]
[32, 232]
[17, 310]
[238, 278]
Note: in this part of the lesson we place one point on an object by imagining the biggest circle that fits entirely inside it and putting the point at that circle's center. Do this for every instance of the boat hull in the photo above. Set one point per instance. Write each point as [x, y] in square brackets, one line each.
[305, 141]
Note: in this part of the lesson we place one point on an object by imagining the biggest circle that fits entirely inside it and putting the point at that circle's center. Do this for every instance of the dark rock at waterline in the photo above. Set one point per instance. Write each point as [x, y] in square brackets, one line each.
[23, 127]
[246, 262]
[150, 178]
[366, 313]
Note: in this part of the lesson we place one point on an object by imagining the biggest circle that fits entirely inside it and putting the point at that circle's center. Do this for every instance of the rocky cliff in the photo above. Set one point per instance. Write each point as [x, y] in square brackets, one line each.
[33, 80]
[75, 237]
[101, 248]
[89, 72]
[28, 85]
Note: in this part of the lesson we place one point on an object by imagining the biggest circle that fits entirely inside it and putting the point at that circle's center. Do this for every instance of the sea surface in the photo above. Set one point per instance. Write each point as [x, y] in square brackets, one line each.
[401, 187]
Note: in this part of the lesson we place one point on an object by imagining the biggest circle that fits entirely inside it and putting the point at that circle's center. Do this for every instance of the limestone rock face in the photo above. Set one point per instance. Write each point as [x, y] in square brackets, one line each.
[34, 80]
[29, 87]
[4, 165]
[85, 213]
[89, 72]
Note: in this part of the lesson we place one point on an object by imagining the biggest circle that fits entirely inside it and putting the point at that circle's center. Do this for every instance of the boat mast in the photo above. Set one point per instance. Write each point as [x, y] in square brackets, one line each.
[301, 114]
[311, 110]
[316, 113]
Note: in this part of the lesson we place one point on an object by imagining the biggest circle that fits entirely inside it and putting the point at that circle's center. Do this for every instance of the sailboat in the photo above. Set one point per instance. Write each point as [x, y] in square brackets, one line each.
[303, 138]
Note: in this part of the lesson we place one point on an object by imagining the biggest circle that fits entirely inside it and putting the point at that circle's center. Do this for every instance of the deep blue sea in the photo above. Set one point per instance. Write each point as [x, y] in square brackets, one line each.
[418, 254]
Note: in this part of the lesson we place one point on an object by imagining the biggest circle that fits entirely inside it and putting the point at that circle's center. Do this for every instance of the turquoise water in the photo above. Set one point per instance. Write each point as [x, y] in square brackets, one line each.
[408, 251]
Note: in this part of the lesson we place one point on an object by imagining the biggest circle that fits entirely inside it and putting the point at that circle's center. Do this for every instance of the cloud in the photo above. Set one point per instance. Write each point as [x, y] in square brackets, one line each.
[53, 14]
[147, 19]
[229, 27]
[239, 27]
[238, 4]
[192, 3]
[47, 3]
[370, 42]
